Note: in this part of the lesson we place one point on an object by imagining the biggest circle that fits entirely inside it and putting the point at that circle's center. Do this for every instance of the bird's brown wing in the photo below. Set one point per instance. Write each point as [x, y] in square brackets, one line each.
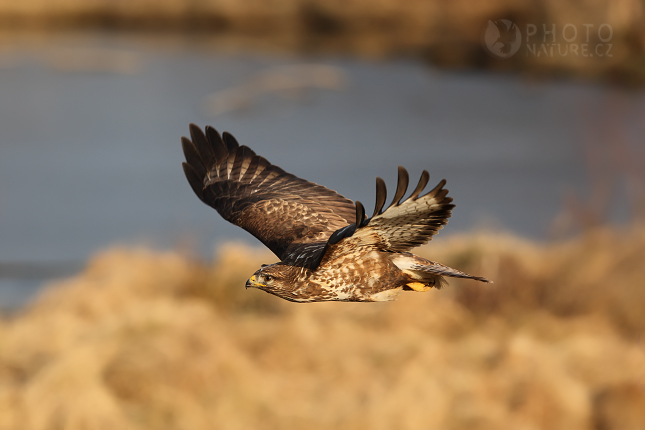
[291, 216]
[404, 224]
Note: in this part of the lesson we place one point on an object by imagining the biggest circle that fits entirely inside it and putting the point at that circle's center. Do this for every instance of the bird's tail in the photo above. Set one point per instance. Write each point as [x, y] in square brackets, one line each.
[425, 274]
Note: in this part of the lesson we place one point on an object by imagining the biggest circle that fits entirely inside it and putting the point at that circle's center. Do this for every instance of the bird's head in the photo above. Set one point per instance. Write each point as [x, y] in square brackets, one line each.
[277, 279]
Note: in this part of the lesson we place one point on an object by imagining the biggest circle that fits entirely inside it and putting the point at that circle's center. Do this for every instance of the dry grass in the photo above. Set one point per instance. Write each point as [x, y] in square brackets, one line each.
[149, 340]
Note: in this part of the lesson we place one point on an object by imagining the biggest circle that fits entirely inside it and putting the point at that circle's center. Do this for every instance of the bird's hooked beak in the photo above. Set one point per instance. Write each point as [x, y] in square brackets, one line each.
[252, 283]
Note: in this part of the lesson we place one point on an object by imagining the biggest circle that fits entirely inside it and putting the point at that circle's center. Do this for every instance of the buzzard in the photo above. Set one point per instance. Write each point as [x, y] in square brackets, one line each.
[329, 249]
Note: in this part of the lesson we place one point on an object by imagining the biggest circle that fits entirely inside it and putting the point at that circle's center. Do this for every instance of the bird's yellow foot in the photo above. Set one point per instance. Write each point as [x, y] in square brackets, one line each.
[418, 286]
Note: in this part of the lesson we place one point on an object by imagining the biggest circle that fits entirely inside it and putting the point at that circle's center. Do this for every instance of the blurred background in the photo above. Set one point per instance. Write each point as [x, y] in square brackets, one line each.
[122, 295]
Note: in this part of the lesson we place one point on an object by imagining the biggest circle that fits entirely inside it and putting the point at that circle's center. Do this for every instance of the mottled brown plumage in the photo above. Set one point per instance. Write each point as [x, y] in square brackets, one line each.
[328, 249]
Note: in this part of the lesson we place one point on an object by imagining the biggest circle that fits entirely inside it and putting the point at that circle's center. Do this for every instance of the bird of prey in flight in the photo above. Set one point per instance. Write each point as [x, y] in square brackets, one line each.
[328, 248]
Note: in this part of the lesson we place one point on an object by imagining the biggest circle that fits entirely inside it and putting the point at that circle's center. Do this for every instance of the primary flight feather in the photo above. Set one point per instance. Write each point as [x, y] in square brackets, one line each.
[328, 248]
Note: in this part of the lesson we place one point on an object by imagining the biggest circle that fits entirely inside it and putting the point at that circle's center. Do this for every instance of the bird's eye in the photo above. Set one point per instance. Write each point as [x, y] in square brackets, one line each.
[268, 278]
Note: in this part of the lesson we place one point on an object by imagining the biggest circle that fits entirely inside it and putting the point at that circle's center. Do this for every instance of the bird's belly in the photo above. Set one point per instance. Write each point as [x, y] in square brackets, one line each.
[367, 277]
[356, 289]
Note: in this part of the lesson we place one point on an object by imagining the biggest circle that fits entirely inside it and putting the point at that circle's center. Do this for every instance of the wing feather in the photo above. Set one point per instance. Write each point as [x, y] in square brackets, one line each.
[217, 144]
[381, 196]
[194, 179]
[192, 157]
[230, 141]
[404, 225]
[292, 217]
[423, 181]
[204, 149]
[401, 187]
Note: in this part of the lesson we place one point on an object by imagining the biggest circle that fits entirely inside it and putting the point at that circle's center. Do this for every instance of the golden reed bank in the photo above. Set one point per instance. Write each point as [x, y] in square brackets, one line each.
[146, 339]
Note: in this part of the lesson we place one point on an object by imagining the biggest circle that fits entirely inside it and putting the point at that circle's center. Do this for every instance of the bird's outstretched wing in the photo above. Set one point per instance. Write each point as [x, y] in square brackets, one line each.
[404, 224]
[291, 216]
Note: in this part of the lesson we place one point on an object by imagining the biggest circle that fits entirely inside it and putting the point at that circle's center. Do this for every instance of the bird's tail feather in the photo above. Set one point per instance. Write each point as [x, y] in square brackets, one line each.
[426, 274]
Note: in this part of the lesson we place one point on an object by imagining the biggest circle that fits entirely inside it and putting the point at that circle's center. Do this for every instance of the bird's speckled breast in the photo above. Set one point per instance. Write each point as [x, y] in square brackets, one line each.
[352, 276]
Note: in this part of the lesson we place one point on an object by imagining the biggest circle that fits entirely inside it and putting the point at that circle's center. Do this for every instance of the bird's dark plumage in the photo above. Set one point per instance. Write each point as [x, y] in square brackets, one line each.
[328, 249]
[291, 216]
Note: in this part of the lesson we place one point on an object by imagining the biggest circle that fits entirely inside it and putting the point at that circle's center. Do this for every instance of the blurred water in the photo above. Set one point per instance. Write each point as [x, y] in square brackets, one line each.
[90, 154]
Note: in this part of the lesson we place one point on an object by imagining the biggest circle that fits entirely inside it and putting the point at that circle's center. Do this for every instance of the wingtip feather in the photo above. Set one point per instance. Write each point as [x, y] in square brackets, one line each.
[381, 196]
[401, 186]
[196, 183]
[193, 158]
[219, 147]
[204, 149]
[360, 214]
[423, 181]
[230, 141]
